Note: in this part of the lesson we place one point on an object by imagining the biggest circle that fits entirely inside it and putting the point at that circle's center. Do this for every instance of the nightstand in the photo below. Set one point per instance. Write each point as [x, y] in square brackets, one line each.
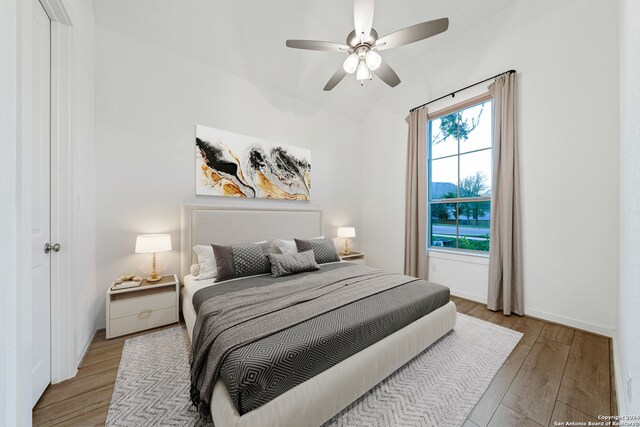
[356, 257]
[147, 306]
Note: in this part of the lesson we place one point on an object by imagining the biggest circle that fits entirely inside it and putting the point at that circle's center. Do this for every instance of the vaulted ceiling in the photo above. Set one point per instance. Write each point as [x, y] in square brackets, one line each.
[247, 38]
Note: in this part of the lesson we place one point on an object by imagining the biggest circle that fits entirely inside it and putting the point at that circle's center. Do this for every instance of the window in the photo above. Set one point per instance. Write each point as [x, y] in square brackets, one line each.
[460, 178]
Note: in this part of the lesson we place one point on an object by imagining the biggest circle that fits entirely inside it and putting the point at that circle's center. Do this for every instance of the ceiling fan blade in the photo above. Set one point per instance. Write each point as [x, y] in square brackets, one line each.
[387, 75]
[335, 79]
[363, 17]
[413, 33]
[318, 45]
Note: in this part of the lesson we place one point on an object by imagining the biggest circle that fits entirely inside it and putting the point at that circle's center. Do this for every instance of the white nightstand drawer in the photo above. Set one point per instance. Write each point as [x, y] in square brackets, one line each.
[142, 320]
[145, 307]
[132, 303]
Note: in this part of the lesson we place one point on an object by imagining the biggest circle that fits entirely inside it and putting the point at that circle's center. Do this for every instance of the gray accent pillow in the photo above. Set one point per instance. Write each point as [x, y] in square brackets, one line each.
[323, 249]
[284, 264]
[240, 260]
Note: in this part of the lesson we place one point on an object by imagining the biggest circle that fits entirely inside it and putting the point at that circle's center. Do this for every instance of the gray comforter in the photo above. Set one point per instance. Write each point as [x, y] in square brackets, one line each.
[264, 336]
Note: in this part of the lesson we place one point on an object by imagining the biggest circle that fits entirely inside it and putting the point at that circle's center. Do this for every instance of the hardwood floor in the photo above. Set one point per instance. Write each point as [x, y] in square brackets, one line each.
[84, 399]
[555, 373]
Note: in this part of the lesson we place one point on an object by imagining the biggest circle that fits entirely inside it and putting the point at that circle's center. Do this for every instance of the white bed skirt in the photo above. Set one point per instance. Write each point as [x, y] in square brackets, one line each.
[315, 401]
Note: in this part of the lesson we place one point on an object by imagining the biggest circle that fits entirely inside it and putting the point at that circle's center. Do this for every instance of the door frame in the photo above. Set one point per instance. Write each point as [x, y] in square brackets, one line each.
[63, 360]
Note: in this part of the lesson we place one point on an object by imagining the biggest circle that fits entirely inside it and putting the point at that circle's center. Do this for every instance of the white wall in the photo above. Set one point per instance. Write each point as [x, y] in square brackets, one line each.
[627, 341]
[466, 275]
[148, 102]
[568, 101]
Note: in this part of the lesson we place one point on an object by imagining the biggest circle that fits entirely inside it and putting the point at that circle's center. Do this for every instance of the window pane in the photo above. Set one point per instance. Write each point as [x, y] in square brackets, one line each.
[444, 178]
[443, 225]
[473, 225]
[476, 128]
[444, 136]
[460, 165]
[475, 174]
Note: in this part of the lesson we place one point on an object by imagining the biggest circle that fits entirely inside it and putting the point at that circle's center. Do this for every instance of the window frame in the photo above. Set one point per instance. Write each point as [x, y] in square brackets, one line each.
[471, 102]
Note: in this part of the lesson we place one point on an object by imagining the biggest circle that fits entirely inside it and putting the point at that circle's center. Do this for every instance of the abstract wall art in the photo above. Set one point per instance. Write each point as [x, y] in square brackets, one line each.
[233, 165]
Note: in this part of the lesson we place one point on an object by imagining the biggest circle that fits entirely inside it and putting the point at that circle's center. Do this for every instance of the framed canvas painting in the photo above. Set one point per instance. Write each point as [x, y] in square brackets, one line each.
[233, 165]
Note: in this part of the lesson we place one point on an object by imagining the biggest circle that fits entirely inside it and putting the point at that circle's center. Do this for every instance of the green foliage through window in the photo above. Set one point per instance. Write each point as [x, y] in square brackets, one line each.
[454, 125]
[474, 245]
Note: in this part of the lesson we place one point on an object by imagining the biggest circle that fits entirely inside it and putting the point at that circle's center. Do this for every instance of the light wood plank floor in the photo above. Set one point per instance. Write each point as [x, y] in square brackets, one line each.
[555, 373]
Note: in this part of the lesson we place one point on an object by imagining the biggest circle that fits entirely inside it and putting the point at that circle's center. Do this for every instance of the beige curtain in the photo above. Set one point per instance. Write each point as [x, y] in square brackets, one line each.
[505, 255]
[415, 232]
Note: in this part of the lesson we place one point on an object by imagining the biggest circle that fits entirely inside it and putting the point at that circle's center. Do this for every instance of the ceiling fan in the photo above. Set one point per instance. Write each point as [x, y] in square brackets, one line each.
[363, 45]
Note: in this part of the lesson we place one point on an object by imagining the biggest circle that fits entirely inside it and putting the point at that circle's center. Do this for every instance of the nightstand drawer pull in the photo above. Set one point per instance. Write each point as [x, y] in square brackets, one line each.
[137, 302]
[135, 323]
[144, 313]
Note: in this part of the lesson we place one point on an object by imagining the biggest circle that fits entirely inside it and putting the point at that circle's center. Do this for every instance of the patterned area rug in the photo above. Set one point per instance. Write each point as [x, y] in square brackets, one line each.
[439, 387]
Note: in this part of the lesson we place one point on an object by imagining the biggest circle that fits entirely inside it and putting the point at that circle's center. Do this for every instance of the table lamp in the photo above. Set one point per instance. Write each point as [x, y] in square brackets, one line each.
[152, 244]
[346, 233]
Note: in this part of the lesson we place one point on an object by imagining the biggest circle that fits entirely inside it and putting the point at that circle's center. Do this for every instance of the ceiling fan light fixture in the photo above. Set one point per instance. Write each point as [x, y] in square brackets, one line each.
[363, 41]
[363, 72]
[351, 63]
[373, 60]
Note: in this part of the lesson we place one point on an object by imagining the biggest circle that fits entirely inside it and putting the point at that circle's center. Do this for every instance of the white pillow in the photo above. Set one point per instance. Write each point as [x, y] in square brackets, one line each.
[195, 269]
[284, 246]
[206, 260]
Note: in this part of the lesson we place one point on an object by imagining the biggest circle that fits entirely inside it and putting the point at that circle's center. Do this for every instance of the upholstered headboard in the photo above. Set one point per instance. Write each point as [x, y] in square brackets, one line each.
[203, 225]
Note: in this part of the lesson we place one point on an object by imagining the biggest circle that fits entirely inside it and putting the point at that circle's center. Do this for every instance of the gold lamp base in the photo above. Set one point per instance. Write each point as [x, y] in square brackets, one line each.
[154, 276]
[346, 250]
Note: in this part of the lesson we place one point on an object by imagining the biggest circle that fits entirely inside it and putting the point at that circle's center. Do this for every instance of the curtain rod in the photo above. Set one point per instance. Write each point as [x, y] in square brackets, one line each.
[453, 94]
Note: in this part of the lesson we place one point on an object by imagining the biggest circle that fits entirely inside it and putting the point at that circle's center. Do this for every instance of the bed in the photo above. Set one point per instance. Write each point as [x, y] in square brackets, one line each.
[313, 400]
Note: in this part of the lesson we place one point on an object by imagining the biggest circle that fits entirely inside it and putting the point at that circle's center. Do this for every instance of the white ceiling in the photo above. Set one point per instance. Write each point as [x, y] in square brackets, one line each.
[247, 38]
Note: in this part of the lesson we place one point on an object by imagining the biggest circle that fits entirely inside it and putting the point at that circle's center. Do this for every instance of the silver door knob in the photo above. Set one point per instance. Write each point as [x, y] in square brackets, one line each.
[48, 247]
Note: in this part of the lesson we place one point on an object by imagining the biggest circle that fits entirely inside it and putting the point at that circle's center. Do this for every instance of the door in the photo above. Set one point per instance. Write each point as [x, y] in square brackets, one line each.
[40, 199]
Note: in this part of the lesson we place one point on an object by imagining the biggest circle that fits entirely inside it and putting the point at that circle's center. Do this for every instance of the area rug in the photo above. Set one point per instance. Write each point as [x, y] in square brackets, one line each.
[439, 387]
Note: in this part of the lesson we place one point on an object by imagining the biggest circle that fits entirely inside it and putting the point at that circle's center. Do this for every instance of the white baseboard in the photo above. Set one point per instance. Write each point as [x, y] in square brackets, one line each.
[79, 360]
[85, 350]
[585, 326]
[621, 390]
[471, 297]
[579, 324]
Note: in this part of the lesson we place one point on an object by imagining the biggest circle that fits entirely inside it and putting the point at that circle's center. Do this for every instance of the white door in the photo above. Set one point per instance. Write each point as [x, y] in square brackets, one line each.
[41, 199]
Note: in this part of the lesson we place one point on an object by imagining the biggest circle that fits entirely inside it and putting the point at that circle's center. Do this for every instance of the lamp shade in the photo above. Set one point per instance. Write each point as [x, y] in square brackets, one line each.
[346, 232]
[150, 243]
[373, 60]
[351, 63]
